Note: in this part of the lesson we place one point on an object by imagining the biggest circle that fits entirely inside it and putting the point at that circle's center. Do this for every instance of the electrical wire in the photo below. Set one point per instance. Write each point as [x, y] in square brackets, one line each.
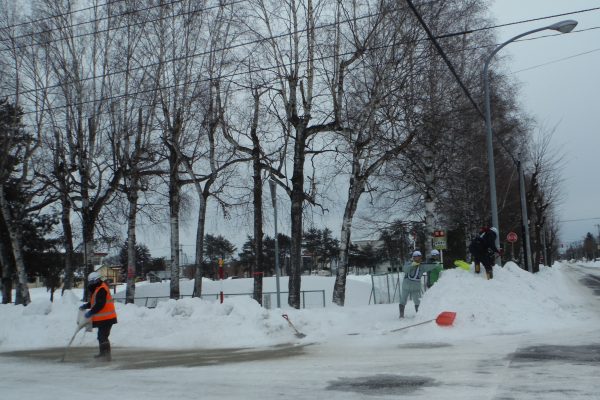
[258, 69]
[258, 41]
[444, 57]
[556, 61]
[518, 22]
[60, 15]
[230, 75]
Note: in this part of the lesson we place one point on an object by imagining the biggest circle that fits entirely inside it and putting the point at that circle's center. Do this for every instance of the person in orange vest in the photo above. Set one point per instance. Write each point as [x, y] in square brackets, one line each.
[102, 313]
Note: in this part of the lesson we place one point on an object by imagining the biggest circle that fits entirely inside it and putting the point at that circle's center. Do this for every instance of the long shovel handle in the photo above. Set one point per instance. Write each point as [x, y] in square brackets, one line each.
[298, 333]
[79, 327]
[410, 326]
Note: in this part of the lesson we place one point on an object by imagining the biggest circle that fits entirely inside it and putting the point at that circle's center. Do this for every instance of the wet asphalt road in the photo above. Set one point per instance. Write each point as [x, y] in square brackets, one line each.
[528, 372]
[592, 282]
[132, 358]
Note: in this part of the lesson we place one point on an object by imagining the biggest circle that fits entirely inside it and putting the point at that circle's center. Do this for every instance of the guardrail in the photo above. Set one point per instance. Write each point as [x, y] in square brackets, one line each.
[308, 298]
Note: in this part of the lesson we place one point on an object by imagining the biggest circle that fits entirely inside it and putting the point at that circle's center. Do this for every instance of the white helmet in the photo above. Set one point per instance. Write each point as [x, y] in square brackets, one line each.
[494, 229]
[416, 253]
[434, 252]
[94, 277]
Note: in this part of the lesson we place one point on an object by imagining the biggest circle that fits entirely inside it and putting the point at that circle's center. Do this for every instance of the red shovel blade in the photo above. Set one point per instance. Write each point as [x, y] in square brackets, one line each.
[446, 318]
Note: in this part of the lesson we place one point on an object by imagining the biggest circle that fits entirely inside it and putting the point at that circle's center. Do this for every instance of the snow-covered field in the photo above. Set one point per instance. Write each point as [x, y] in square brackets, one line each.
[344, 347]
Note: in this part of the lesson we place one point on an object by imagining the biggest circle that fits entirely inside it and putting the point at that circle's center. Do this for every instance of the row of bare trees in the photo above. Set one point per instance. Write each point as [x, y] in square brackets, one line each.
[135, 110]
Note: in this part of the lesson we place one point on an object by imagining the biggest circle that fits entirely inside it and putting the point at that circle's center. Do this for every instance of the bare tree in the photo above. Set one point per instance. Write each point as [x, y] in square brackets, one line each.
[79, 56]
[379, 107]
[543, 194]
[297, 84]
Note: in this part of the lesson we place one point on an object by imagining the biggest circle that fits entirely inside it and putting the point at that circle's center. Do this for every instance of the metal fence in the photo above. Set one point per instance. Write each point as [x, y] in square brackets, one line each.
[308, 298]
[386, 288]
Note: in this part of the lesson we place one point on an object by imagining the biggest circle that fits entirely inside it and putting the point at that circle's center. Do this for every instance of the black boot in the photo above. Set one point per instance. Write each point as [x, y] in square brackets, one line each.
[104, 354]
[416, 308]
[401, 310]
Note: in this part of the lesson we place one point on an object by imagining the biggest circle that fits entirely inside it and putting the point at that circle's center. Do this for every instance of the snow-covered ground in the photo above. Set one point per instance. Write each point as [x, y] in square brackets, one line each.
[348, 352]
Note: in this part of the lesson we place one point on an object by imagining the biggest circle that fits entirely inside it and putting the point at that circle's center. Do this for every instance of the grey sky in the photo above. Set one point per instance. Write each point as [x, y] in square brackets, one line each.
[562, 93]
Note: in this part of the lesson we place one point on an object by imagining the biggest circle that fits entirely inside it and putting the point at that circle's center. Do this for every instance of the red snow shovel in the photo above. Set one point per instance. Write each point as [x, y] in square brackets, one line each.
[445, 318]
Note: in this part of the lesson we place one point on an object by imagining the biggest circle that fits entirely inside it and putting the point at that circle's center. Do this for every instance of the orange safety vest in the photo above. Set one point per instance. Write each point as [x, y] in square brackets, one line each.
[108, 311]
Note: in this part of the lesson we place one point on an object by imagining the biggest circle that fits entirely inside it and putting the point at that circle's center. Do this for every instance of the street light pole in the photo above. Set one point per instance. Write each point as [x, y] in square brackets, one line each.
[562, 27]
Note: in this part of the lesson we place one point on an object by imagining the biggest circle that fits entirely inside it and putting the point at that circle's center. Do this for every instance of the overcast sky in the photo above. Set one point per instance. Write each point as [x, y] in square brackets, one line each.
[563, 93]
[558, 87]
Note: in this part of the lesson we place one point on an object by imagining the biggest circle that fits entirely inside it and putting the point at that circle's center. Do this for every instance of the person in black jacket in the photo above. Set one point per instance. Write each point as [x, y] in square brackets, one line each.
[489, 251]
[102, 313]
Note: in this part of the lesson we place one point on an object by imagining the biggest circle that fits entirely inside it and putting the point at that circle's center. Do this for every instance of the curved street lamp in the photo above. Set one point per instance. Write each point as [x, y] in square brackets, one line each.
[562, 27]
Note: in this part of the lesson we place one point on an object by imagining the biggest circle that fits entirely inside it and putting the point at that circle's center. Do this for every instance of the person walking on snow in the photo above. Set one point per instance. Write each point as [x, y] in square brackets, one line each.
[102, 313]
[476, 249]
[488, 254]
[411, 283]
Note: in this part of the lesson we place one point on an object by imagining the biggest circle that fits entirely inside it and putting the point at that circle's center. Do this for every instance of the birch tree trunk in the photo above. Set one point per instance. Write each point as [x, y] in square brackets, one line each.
[297, 200]
[199, 273]
[132, 196]
[339, 289]
[174, 200]
[65, 215]
[16, 240]
[258, 218]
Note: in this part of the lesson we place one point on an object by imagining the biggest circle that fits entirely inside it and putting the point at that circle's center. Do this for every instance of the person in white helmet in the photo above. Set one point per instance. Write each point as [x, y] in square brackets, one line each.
[411, 283]
[434, 274]
[102, 313]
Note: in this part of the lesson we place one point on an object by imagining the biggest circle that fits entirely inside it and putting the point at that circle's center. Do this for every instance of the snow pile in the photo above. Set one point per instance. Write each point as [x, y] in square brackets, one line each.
[513, 302]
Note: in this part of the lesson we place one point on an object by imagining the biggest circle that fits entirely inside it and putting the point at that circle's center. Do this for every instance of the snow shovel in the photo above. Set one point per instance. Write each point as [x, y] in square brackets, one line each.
[462, 265]
[297, 332]
[82, 322]
[445, 318]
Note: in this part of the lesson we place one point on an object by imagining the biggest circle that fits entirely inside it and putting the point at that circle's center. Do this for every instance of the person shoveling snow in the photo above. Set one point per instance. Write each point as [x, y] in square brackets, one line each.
[102, 313]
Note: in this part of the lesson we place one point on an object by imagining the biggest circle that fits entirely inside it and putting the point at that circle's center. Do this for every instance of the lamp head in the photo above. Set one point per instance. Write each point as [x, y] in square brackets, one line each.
[565, 26]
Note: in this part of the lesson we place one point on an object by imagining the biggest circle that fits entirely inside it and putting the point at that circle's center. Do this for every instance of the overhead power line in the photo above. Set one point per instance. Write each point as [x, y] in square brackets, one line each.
[111, 28]
[269, 69]
[37, 21]
[518, 22]
[230, 75]
[96, 20]
[444, 57]
[579, 219]
[557, 60]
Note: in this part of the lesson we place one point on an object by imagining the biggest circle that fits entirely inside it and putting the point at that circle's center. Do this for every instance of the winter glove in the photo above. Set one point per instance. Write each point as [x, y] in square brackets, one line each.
[88, 314]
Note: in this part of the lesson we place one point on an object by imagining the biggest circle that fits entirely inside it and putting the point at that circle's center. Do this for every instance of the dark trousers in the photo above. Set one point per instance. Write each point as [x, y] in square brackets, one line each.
[488, 262]
[104, 332]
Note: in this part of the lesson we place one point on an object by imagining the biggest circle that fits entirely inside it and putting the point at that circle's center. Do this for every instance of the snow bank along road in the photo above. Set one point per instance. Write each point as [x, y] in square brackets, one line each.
[504, 365]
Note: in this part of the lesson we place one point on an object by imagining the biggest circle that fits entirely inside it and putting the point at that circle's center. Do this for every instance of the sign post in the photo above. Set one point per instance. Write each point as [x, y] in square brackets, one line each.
[221, 296]
[440, 243]
[512, 238]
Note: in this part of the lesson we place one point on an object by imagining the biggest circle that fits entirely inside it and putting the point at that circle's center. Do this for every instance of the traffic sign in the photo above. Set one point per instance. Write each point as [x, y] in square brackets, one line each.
[511, 237]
